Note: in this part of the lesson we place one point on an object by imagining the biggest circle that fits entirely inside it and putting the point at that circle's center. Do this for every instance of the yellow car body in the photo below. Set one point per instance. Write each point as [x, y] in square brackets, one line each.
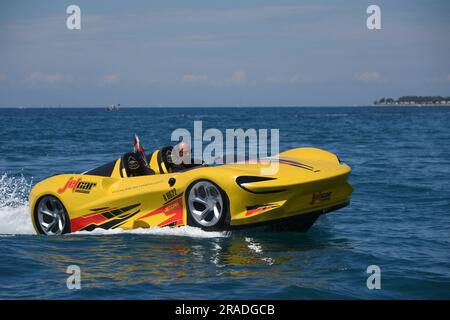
[307, 183]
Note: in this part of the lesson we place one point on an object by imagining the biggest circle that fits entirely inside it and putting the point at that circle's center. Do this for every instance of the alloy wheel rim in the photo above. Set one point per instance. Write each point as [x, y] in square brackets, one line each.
[51, 216]
[205, 203]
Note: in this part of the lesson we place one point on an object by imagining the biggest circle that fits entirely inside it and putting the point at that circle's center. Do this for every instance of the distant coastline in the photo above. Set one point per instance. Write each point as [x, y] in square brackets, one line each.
[414, 101]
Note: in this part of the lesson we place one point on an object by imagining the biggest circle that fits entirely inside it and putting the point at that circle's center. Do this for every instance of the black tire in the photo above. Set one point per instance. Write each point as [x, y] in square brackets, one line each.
[59, 210]
[223, 223]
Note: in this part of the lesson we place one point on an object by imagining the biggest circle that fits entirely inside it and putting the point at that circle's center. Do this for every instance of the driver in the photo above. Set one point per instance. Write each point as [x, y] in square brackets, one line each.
[172, 159]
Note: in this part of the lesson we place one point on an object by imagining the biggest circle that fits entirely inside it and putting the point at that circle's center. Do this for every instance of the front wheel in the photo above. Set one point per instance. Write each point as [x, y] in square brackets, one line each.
[51, 217]
[207, 206]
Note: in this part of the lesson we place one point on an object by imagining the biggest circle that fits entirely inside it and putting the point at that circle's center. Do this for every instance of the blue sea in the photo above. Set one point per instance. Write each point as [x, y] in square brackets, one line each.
[398, 219]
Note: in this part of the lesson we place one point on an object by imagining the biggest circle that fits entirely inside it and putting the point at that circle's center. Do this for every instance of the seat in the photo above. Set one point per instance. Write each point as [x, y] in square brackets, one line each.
[164, 161]
[161, 163]
[134, 165]
[158, 162]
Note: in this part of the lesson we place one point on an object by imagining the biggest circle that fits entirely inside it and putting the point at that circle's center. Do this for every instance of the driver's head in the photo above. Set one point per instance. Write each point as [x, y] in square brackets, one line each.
[184, 149]
[182, 153]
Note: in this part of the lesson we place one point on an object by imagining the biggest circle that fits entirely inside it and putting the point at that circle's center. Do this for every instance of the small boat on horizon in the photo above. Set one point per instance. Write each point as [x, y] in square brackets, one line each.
[113, 107]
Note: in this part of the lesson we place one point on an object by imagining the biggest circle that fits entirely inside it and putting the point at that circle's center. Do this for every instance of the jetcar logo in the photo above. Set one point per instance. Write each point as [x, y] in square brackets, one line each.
[77, 186]
[320, 196]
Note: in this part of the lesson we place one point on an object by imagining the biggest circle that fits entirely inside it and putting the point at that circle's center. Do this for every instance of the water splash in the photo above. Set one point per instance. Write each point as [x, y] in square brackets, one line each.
[184, 231]
[14, 212]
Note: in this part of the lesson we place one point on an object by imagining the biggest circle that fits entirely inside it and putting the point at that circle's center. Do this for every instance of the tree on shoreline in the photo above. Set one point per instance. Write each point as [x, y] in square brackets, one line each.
[415, 100]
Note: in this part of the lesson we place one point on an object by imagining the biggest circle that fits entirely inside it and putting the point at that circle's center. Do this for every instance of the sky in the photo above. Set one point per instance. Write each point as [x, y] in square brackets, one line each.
[221, 53]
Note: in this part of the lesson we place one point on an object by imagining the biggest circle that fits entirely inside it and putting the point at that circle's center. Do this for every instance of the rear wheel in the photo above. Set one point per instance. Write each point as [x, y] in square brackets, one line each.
[207, 206]
[51, 217]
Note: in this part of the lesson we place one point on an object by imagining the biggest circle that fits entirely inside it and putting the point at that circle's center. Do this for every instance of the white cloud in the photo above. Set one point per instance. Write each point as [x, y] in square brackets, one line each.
[39, 79]
[284, 79]
[194, 77]
[218, 16]
[238, 77]
[109, 79]
[368, 76]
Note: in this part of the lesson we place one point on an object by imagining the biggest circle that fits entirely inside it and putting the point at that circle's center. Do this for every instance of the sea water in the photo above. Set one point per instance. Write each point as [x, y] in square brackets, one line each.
[398, 219]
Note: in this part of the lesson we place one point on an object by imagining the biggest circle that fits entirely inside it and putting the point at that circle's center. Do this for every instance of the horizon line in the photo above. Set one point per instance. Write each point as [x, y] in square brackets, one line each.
[196, 107]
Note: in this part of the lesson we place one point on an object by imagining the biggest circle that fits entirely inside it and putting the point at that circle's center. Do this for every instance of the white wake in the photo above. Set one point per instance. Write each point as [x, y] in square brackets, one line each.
[14, 214]
[185, 231]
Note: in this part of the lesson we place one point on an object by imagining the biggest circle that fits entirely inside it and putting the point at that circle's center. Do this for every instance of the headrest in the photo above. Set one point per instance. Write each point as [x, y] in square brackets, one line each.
[134, 166]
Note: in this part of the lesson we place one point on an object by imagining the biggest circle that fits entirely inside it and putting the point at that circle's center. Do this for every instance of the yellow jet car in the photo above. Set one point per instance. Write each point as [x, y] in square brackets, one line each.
[307, 182]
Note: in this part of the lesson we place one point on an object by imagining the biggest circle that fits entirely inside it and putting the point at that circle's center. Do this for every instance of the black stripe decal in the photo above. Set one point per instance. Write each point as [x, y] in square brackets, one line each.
[112, 223]
[111, 214]
[249, 179]
[98, 209]
[296, 162]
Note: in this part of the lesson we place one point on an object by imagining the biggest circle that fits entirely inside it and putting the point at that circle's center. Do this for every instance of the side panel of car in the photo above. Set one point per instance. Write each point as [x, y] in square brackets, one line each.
[93, 201]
